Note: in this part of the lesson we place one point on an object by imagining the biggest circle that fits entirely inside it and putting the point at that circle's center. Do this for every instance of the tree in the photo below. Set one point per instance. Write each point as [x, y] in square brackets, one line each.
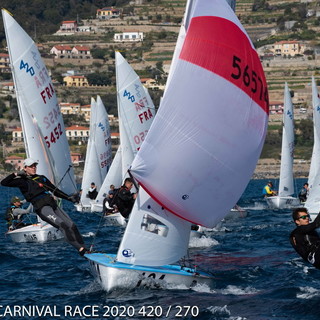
[98, 79]
[305, 129]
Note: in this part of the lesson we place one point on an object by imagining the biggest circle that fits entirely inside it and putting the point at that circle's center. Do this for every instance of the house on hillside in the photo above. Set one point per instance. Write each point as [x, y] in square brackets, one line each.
[7, 86]
[108, 13]
[76, 158]
[276, 107]
[288, 48]
[4, 63]
[17, 135]
[152, 84]
[68, 26]
[69, 108]
[15, 161]
[128, 36]
[81, 52]
[61, 51]
[75, 81]
[66, 51]
[77, 132]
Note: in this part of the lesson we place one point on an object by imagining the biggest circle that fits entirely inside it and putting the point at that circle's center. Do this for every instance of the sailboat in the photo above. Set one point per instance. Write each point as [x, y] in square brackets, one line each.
[41, 120]
[284, 198]
[193, 165]
[313, 199]
[99, 153]
[136, 112]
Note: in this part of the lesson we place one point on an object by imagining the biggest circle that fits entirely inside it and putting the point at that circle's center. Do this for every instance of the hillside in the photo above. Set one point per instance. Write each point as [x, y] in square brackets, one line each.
[160, 22]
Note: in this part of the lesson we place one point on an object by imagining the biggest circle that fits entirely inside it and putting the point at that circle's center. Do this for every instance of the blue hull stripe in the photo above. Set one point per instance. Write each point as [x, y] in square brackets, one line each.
[108, 260]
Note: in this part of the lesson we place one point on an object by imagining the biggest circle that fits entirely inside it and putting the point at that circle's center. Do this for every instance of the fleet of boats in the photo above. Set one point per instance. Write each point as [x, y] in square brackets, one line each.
[180, 157]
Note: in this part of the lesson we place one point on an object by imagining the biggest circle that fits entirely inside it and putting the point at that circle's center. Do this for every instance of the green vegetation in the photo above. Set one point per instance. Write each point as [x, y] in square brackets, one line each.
[43, 17]
[303, 140]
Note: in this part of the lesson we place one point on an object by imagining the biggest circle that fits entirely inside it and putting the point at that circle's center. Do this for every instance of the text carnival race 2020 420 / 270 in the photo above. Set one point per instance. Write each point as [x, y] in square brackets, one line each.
[95, 311]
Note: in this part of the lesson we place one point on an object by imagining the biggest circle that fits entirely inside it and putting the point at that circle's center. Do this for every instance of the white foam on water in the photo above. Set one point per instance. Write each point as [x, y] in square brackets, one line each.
[204, 242]
[202, 287]
[237, 291]
[308, 293]
[92, 287]
[223, 313]
[88, 235]
[259, 206]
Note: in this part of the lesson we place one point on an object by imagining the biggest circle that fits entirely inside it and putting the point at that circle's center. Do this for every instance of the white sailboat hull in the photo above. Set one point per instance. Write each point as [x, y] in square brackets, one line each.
[278, 202]
[115, 219]
[82, 207]
[35, 233]
[114, 275]
[96, 207]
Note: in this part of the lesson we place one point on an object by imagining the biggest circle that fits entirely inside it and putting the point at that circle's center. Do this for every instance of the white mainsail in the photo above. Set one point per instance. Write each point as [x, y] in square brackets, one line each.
[114, 176]
[315, 164]
[286, 185]
[135, 108]
[205, 141]
[313, 199]
[38, 105]
[136, 112]
[99, 153]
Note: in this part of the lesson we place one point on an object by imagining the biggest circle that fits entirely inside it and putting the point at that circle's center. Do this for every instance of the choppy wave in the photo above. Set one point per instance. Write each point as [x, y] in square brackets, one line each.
[257, 274]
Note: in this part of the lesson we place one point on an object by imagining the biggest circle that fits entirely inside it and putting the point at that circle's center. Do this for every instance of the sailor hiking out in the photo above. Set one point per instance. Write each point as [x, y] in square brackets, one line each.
[38, 190]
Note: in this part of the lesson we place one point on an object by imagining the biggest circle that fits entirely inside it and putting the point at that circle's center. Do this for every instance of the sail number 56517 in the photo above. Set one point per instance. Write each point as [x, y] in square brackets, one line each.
[249, 78]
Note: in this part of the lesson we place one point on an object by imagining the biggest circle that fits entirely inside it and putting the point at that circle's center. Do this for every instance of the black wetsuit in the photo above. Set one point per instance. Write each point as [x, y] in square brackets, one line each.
[37, 189]
[306, 241]
[124, 201]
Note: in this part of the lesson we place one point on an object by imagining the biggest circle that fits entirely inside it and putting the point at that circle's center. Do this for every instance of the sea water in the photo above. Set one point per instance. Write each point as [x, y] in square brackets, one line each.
[257, 274]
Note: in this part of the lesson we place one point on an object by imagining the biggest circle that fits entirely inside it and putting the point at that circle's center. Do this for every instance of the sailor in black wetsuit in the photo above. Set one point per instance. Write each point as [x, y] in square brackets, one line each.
[125, 199]
[37, 189]
[304, 238]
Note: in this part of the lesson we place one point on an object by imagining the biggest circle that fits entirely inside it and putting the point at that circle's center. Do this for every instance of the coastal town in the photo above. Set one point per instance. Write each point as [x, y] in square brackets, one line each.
[80, 54]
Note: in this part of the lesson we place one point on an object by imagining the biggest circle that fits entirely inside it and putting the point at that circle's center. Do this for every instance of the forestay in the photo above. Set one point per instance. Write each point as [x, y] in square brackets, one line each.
[286, 186]
[207, 137]
[38, 99]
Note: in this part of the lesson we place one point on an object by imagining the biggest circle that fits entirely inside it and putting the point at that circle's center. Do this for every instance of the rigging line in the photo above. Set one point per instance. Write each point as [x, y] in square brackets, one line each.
[72, 180]
[67, 171]
[95, 234]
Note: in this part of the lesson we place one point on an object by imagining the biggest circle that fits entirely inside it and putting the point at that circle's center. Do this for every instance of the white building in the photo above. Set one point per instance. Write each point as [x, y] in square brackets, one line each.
[128, 36]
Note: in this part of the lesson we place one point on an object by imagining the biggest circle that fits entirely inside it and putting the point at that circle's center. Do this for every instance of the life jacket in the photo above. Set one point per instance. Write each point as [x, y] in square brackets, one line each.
[9, 215]
[36, 188]
[114, 199]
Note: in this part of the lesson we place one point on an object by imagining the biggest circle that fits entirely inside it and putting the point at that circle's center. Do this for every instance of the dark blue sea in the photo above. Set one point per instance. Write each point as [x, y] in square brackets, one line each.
[257, 274]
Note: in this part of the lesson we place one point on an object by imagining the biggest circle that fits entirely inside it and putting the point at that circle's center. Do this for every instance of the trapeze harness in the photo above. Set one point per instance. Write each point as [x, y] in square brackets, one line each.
[38, 192]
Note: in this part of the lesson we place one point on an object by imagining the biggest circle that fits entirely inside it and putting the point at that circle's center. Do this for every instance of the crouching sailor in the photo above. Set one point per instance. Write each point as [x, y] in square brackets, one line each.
[15, 214]
[304, 238]
[38, 190]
